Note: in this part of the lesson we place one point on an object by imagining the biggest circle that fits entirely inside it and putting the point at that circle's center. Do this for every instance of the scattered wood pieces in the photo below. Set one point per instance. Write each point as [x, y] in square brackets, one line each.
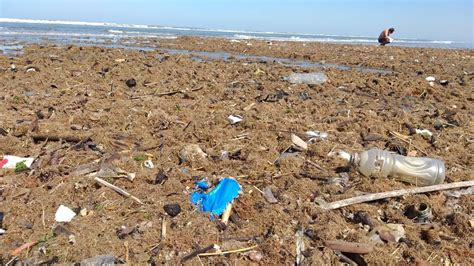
[117, 189]
[227, 252]
[349, 247]
[395, 193]
[226, 214]
[197, 252]
[20, 249]
[67, 138]
[298, 142]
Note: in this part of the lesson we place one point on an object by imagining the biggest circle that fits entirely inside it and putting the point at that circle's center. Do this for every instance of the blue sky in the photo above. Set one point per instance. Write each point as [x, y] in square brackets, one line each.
[424, 19]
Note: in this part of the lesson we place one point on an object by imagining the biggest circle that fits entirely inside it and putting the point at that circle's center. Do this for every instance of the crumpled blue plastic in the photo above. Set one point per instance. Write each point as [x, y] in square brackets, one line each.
[217, 199]
[203, 184]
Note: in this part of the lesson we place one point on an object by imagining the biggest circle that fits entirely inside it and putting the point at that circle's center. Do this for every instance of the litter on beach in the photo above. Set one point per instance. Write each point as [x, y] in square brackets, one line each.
[216, 200]
[13, 162]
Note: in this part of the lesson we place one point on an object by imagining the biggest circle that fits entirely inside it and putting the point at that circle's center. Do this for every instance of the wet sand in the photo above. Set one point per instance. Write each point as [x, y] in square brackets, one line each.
[80, 94]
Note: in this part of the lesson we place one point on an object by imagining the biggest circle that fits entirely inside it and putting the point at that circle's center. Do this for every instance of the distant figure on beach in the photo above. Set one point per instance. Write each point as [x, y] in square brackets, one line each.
[384, 36]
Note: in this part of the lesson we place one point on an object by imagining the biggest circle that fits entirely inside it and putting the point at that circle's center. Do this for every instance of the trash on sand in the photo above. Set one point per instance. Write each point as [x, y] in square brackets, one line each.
[387, 233]
[349, 247]
[424, 132]
[234, 119]
[2, 231]
[15, 162]
[268, 195]
[191, 152]
[421, 212]
[430, 78]
[443, 82]
[149, 164]
[420, 171]
[298, 142]
[395, 193]
[172, 209]
[203, 184]
[316, 135]
[314, 78]
[64, 214]
[218, 198]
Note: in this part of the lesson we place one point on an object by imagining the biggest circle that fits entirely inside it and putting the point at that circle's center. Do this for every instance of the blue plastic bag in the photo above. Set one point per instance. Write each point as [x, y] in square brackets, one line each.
[217, 199]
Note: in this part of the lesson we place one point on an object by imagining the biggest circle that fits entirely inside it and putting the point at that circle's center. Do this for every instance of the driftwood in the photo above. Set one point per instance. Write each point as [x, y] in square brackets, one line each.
[53, 137]
[349, 247]
[395, 193]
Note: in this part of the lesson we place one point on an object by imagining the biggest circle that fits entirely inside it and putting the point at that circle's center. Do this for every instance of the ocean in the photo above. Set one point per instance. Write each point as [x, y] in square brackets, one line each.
[14, 33]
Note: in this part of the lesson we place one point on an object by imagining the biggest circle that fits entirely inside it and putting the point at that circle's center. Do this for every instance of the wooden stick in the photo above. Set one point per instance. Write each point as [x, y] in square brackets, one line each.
[117, 189]
[197, 252]
[23, 247]
[163, 229]
[227, 252]
[395, 193]
[226, 214]
[349, 247]
[67, 138]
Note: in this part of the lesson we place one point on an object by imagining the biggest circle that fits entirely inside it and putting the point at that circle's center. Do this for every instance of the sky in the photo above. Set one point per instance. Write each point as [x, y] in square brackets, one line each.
[421, 19]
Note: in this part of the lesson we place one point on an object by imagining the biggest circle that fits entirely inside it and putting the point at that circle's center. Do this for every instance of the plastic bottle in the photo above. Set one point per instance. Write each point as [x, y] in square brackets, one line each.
[315, 78]
[420, 171]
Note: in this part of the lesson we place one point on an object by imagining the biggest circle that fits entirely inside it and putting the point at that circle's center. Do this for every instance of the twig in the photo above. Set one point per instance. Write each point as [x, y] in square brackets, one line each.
[117, 189]
[197, 252]
[127, 255]
[397, 135]
[163, 229]
[11, 261]
[23, 247]
[226, 214]
[349, 247]
[395, 193]
[344, 258]
[228, 252]
[40, 137]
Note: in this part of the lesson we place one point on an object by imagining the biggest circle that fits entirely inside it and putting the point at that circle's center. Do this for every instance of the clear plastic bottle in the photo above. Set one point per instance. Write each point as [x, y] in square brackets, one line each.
[420, 171]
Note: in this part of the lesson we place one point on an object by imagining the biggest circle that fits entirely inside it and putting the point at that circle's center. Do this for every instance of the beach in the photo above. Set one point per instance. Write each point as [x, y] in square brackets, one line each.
[71, 106]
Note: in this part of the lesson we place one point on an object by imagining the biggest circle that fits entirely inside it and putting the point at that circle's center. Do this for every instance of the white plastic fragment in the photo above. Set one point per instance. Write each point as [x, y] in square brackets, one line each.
[424, 132]
[430, 79]
[341, 154]
[149, 164]
[234, 119]
[2, 231]
[297, 141]
[64, 214]
[315, 135]
[10, 161]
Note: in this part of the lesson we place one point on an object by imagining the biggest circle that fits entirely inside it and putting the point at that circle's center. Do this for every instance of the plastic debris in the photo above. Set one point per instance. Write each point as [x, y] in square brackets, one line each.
[2, 231]
[203, 184]
[64, 214]
[149, 164]
[314, 78]
[421, 171]
[234, 119]
[430, 79]
[13, 162]
[424, 132]
[217, 199]
[316, 135]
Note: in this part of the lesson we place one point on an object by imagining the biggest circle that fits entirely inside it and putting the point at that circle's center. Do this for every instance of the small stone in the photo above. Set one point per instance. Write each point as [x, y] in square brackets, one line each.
[72, 239]
[160, 178]
[131, 83]
[172, 209]
[268, 195]
[297, 141]
[255, 256]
